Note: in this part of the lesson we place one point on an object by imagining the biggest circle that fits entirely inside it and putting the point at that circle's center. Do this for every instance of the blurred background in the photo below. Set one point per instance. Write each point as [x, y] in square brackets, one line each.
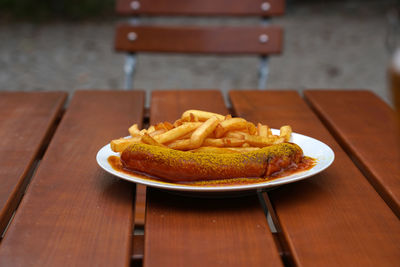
[68, 45]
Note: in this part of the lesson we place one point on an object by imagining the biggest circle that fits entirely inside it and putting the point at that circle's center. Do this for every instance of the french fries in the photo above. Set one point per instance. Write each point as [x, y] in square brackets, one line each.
[201, 115]
[261, 141]
[147, 139]
[198, 136]
[223, 142]
[285, 132]
[229, 125]
[182, 144]
[176, 133]
[134, 130]
[119, 145]
[200, 131]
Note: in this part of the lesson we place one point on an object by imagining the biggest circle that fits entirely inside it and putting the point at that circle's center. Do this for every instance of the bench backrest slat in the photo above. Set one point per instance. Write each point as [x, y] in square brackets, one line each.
[201, 7]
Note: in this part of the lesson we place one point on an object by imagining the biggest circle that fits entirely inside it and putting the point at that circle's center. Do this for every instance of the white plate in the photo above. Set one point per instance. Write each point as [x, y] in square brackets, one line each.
[311, 148]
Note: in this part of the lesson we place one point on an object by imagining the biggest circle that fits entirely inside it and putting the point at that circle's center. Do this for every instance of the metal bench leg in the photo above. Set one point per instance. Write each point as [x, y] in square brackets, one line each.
[129, 69]
[263, 72]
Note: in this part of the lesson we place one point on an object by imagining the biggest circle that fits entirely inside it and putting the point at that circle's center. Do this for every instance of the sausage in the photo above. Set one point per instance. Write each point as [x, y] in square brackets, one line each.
[183, 166]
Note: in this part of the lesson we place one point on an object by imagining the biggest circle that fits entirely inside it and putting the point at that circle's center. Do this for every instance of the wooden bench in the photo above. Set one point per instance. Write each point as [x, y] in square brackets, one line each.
[264, 39]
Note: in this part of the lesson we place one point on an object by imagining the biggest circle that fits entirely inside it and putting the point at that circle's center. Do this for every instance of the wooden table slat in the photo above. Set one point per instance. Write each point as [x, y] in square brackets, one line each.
[182, 230]
[336, 217]
[26, 121]
[367, 128]
[74, 213]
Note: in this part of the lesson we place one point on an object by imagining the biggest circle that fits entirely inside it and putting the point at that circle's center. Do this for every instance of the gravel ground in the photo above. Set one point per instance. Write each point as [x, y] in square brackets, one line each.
[327, 45]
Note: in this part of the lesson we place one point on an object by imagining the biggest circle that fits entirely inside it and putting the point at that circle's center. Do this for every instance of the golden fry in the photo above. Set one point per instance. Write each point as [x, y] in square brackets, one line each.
[156, 132]
[147, 139]
[260, 141]
[279, 140]
[151, 129]
[262, 130]
[186, 136]
[177, 132]
[235, 134]
[177, 123]
[134, 130]
[119, 145]
[251, 128]
[213, 142]
[160, 126]
[182, 144]
[227, 117]
[203, 131]
[229, 125]
[193, 118]
[233, 142]
[168, 125]
[286, 132]
[223, 142]
[201, 115]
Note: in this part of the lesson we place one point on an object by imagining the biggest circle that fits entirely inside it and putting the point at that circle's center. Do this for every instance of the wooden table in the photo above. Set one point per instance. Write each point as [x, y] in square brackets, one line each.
[58, 208]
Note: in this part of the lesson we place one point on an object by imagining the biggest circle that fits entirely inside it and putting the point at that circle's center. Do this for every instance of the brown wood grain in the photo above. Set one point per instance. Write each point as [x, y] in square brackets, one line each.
[200, 7]
[138, 250]
[182, 230]
[200, 39]
[26, 121]
[140, 205]
[74, 213]
[367, 127]
[335, 217]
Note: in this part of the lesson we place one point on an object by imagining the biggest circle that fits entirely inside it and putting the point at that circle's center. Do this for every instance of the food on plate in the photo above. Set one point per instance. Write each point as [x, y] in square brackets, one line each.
[198, 128]
[177, 166]
[203, 145]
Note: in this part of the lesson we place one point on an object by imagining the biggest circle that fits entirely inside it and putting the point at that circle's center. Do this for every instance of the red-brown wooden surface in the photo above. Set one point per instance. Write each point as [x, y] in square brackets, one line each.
[200, 39]
[335, 218]
[188, 231]
[140, 205]
[74, 213]
[201, 7]
[26, 121]
[367, 127]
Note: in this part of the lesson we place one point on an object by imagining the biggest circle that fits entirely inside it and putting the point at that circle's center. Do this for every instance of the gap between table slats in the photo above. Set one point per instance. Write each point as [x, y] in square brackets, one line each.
[74, 213]
[334, 218]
